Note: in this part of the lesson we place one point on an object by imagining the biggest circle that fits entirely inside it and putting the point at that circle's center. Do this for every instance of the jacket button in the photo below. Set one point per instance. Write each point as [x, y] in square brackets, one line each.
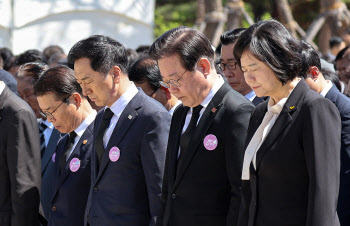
[173, 196]
[95, 189]
[54, 208]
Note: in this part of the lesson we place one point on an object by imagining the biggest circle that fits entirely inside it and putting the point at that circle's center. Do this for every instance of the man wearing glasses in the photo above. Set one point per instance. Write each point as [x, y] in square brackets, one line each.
[62, 103]
[146, 75]
[202, 177]
[229, 66]
[130, 137]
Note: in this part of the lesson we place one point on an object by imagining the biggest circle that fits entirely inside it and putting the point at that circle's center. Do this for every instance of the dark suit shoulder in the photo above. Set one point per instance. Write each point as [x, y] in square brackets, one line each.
[14, 104]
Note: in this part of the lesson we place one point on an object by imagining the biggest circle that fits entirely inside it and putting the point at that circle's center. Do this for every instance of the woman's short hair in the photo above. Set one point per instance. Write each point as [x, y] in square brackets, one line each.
[270, 42]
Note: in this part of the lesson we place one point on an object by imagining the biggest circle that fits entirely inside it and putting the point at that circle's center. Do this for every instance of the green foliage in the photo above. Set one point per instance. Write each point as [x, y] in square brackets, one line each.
[172, 15]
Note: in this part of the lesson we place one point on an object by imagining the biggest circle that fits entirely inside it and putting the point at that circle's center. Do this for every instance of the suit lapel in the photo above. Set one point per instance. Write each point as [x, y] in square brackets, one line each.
[51, 148]
[197, 137]
[332, 94]
[126, 119]
[174, 141]
[79, 148]
[283, 120]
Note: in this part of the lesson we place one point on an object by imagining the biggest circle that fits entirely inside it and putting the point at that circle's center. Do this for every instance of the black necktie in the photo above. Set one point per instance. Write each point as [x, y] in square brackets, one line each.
[100, 150]
[186, 136]
[67, 149]
[42, 128]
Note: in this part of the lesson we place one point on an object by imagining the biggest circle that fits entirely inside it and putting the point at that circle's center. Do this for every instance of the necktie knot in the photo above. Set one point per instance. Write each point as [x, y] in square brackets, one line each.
[42, 127]
[197, 109]
[72, 136]
[108, 114]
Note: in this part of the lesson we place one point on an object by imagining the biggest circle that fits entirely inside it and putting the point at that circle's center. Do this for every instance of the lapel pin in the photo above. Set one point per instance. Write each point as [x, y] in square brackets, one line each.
[129, 117]
[291, 107]
[85, 141]
[213, 110]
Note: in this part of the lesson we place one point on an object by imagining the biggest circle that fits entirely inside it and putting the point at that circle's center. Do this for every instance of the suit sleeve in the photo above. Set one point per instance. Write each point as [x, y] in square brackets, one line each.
[321, 140]
[234, 149]
[23, 159]
[153, 153]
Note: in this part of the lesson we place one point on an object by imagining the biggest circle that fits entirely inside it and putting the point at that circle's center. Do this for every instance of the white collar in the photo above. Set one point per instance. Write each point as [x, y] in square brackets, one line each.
[326, 88]
[212, 92]
[87, 121]
[171, 111]
[251, 95]
[119, 105]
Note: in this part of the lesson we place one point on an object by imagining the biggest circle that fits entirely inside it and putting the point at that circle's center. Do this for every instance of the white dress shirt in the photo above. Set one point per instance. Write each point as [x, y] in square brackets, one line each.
[251, 95]
[81, 129]
[327, 88]
[117, 108]
[171, 111]
[48, 130]
[2, 86]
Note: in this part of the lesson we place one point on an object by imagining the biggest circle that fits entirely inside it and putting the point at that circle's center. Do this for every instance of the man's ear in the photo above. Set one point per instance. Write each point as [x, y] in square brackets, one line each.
[203, 65]
[167, 92]
[77, 99]
[116, 72]
[314, 72]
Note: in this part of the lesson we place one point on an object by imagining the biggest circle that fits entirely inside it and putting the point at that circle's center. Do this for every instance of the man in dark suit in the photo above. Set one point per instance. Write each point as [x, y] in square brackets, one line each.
[19, 161]
[231, 69]
[315, 78]
[27, 76]
[130, 137]
[202, 176]
[60, 97]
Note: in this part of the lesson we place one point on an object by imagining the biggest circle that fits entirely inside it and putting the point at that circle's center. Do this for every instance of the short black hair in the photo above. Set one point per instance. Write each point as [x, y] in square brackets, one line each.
[31, 55]
[143, 49]
[52, 50]
[189, 44]
[332, 76]
[343, 53]
[230, 37]
[6, 55]
[271, 43]
[310, 58]
[60, 80]
[132, 57]
[146, 70]
[102, 51]
[34, 70]
[335, 41]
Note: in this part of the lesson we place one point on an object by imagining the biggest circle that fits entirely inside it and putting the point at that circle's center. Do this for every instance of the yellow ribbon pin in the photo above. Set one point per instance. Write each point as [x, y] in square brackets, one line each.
[291, 107]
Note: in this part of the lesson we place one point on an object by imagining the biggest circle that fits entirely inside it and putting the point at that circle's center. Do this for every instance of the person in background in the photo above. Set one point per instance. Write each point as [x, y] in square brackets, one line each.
[229, 66]
[28, 74]
[146, 75]
[292, 161]
[315, 79]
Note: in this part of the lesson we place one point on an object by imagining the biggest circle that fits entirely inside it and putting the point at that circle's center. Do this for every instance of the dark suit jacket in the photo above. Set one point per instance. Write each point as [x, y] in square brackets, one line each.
[342, 102]
[257, 100]
[127, 192]
[204, 188]
[48, 172]
[297, 177]
[20, 179]
[72, 188]
[9, 80]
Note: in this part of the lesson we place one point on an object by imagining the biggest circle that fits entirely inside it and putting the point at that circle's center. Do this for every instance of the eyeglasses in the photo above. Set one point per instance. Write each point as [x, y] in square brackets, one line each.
[47, 114]
[154, 92]
[230, 66]
[175, 83]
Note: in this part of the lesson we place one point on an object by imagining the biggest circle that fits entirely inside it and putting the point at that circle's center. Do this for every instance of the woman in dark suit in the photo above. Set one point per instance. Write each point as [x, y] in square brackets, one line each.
[292, 161]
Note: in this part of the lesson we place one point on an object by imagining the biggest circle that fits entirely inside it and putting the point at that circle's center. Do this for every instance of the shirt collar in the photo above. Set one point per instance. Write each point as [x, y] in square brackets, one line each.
[119, 105]
[2, 87]
[171, 111]
[251, 95]
[82, 127]
[212, 92]
[327, 88]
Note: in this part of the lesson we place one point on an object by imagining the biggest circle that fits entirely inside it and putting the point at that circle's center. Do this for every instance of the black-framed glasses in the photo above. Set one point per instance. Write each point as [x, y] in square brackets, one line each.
[174, 82]
[47, 114]
[156, 90]
[230, 66]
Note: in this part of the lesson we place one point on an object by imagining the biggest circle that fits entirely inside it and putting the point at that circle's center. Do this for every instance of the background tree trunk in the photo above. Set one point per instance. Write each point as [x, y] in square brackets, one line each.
[234, 17]
[214, 20]
[200, 14]
[286, 16]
